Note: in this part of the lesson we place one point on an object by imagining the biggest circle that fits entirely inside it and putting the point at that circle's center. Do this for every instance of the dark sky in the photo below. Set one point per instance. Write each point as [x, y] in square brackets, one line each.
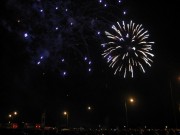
[24, 87]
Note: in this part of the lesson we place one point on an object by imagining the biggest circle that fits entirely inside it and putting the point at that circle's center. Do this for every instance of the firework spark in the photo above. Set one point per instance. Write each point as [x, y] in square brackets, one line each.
[128, 47]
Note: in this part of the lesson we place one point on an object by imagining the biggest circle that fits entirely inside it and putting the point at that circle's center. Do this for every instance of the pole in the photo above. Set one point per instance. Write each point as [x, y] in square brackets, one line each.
[125, 105]
[43, 121]
[173, 106]
[67, 118]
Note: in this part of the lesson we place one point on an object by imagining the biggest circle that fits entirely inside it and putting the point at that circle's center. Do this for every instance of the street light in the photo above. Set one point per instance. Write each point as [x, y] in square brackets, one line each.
[178, 78]
[67, 115]
[15, 113]
[89, 108]
[131, 100]
[12, 115]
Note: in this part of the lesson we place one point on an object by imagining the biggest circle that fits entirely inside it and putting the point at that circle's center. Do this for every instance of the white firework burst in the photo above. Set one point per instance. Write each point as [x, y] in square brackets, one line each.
[128, 47]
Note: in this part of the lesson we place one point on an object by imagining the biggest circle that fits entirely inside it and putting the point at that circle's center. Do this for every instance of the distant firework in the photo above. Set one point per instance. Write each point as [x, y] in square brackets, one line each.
[58, 34]
[127, 48]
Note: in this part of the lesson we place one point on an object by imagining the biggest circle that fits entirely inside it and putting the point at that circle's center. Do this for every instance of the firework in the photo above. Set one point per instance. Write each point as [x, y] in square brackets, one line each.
[57, 34]
[128, 47]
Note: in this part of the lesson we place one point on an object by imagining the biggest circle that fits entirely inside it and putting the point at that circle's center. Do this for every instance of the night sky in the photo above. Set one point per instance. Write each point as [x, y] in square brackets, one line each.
[31, 88]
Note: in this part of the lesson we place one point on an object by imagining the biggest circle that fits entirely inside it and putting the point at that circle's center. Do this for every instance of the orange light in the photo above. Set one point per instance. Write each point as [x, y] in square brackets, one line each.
[131, 100]
[15, 113]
